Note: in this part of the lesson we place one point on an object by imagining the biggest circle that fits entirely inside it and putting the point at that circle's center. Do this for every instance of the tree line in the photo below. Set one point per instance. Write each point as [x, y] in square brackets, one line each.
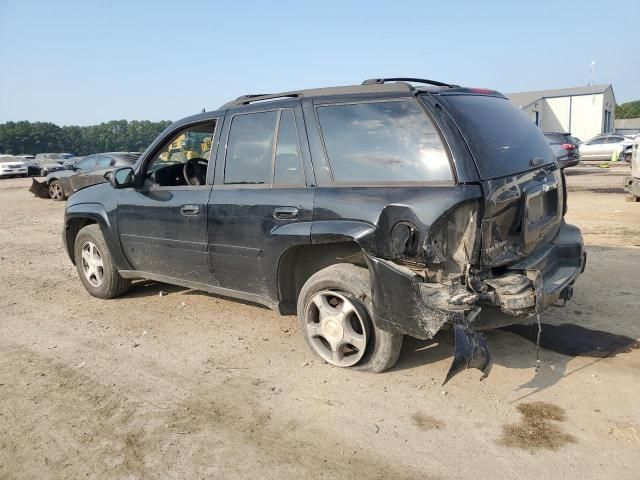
[115, 136]
[628, 109]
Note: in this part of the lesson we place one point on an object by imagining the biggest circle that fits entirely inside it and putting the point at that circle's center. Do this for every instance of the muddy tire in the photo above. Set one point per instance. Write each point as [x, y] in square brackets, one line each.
[95, 265]
[334, 316]
[56, 192]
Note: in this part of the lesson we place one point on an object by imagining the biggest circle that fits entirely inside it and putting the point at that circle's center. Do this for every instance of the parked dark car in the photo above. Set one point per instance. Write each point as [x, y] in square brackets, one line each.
[89, 171]
[565, 147]
[45, 163]
[372, 211]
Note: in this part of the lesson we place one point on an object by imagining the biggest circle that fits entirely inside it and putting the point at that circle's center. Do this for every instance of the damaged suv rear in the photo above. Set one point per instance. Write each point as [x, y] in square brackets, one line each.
[371, 211]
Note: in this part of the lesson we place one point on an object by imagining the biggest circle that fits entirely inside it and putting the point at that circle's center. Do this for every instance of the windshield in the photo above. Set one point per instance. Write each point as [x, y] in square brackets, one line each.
[501, 137]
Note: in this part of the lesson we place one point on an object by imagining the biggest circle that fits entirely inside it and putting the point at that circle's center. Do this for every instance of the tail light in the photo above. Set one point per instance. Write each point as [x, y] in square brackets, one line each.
[567, 146]
[564, 193]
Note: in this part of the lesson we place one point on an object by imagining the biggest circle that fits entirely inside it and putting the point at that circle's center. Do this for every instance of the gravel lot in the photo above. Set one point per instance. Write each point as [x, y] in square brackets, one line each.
[191, 385]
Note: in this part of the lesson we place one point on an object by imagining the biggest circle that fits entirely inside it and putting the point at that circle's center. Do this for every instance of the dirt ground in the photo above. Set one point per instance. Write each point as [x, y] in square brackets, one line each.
[190, 385]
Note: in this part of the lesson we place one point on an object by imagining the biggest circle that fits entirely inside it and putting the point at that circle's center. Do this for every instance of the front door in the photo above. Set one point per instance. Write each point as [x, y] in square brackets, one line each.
[83, 169]
[163, 221]
[260, 205]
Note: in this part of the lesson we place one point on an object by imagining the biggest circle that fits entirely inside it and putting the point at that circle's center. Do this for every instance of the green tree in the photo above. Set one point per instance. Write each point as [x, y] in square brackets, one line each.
[116, 135]
[628, 110]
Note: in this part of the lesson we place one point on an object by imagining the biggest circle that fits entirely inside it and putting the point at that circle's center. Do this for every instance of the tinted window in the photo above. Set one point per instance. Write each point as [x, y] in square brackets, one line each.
[88, 163]
[596, 141]
[501, 137]
[288, 167]
[382, 142]
[250, 148]
[555, 138]
[104, 162]
[615, 139]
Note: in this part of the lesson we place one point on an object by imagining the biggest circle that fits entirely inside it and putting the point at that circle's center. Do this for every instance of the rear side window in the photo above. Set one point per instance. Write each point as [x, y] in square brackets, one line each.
[501, 137]
[555, 138]
[288, 167]
[250, 148]
[391, 141]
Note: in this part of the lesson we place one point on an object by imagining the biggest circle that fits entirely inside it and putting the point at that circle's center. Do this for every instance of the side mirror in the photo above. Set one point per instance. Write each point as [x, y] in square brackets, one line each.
[122, 178]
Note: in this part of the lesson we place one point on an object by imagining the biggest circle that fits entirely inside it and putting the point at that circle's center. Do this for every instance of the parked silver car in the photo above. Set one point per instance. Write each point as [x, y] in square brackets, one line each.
[601, 147]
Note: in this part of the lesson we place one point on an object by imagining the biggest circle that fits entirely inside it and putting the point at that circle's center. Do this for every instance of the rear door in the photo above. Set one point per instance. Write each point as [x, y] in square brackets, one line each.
[260, 205]
[162, 222]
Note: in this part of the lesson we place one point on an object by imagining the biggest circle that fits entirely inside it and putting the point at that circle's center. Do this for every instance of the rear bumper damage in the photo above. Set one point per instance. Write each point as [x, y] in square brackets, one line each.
[404, 303]
[39, 189]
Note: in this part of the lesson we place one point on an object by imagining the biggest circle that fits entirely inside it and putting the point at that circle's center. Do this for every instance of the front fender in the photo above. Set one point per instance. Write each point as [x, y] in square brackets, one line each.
[80, 214]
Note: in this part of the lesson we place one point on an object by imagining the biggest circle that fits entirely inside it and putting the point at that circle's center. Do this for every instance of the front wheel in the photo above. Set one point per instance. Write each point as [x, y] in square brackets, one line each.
[334, 315]
[95, 265]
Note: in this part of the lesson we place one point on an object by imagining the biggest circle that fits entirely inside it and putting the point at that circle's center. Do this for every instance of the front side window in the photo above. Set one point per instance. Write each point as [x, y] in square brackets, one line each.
[183, 160]
[87, 164]
[104, 162]
[391, 141]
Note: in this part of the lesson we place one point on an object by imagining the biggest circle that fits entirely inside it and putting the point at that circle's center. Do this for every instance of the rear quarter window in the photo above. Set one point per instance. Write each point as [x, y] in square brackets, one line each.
[380, 142]
[502, 139]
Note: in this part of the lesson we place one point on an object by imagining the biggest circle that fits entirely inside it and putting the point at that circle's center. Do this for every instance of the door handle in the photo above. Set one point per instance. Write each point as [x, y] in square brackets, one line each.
[190, 210]
[285, 213]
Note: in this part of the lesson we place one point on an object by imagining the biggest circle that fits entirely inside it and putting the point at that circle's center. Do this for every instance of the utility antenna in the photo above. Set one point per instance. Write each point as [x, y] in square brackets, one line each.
[593, 72]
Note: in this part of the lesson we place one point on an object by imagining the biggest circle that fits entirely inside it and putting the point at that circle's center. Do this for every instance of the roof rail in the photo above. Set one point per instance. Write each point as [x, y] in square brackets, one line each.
[257, 97]
[374, 81]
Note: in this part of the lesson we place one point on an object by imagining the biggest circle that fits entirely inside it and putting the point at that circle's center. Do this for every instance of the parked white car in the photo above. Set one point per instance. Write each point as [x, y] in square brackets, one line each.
[11, 166]
[601, 147]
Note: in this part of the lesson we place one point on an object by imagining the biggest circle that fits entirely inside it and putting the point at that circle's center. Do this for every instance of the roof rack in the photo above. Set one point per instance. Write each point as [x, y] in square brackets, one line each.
[370, 86]
[257, 97]
[378, 81]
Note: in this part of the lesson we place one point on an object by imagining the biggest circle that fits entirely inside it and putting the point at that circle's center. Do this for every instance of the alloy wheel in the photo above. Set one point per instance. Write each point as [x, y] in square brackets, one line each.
[55, 191]
[92, 264]
[336, 327]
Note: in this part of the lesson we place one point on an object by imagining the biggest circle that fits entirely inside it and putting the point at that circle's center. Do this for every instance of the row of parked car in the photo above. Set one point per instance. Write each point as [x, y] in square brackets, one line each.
[64, 173]
[569, 150]
[80, 173]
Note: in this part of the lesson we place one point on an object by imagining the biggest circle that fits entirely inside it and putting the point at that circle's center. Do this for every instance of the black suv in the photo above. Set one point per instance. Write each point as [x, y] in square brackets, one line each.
[565, 147]
[372, 211]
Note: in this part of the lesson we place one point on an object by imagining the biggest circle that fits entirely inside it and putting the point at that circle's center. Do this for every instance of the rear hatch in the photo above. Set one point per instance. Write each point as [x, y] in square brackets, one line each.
[523, 187]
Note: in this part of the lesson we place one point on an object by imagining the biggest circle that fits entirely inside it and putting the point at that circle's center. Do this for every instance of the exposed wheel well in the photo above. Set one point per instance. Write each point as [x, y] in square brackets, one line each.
[298, 263]
[74, 226]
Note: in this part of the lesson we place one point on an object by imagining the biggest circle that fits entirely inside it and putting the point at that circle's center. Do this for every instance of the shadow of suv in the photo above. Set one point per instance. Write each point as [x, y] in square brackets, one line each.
[371, 211]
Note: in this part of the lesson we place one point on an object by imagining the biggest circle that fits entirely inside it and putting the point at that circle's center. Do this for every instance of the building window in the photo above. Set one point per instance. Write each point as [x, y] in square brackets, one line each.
[607, 121]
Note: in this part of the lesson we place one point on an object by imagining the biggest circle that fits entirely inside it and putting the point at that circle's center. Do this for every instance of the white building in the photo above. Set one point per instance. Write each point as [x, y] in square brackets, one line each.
[583, 111]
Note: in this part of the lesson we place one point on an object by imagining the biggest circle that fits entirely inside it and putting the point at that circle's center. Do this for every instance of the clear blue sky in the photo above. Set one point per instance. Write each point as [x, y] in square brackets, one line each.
[87, 61]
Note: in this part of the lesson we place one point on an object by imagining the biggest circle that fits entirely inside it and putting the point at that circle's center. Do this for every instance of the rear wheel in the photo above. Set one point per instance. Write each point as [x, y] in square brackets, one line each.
[334, 317]
[95, 265]
[56, 192]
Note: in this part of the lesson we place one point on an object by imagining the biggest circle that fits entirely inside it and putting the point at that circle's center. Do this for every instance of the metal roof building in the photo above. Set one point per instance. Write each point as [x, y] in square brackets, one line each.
[584, 111]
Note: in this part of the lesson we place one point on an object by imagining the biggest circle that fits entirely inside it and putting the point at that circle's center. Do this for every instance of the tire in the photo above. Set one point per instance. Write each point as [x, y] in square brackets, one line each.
[102, 282]
[345, 281]
[56, 192]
